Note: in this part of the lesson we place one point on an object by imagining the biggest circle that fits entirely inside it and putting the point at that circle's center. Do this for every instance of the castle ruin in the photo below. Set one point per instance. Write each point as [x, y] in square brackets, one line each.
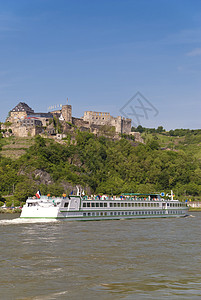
[122, 125]
[25, 122]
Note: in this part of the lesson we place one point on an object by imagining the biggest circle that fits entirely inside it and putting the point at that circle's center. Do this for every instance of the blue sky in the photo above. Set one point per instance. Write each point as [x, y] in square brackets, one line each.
[99, 54]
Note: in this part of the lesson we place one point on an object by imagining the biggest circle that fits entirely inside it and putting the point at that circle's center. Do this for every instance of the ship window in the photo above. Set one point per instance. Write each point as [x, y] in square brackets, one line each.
[97, 204]
[115, 213]
[122, 213]
[115, 204]
[66, 204]
[93, 214]
[139, 204]
[84, 214]
[119, 213]
[111, 204]
[88, 204]
[105, 214]
[125, 204]
[105, 204]
[125, 213]
[97, 214]
[133, 204]
[129, 204]
[101, 204]
[142, 204]
[158, 204]
[122, 204]
[93, 204]
[111, 213]
[101, 214]
[118, 204]
[89, 214]
[145, 204]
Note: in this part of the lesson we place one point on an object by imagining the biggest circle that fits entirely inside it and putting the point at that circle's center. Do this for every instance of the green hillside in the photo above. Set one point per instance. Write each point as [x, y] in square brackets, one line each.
[100, 165]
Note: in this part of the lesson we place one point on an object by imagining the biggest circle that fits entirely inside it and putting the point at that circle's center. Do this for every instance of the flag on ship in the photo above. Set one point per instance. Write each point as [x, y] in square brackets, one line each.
[38, 194]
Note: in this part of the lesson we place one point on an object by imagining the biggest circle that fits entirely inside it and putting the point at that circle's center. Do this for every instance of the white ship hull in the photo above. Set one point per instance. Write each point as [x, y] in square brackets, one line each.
[76, 208]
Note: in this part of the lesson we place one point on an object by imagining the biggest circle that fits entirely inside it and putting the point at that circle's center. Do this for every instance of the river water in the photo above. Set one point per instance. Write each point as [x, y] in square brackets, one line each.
[129, 259]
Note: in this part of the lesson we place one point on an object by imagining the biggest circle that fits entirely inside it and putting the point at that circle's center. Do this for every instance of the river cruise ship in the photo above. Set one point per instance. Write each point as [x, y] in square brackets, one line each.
[126, 206]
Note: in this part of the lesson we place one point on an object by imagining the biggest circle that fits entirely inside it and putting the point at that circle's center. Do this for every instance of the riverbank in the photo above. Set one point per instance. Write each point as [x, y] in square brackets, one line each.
[10, 210]
[194, 208]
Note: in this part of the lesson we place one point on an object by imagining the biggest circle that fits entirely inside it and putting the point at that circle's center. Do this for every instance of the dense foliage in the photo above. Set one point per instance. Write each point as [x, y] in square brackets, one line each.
[99, 165]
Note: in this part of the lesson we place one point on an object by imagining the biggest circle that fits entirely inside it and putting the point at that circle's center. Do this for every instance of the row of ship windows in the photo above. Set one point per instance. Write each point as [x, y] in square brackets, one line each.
[175, 204]
[122, 213]
[118, 204]
[101, 204]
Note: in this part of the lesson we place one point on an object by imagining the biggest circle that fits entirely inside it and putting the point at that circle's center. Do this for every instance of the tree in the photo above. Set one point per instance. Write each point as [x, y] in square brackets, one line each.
[25, 189]
[160, 129]
[55, 190]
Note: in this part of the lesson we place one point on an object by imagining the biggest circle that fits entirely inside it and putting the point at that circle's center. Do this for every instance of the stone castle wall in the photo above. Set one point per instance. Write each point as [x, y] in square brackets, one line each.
[80, 122]
[98, 118]
[16, 116]
[122, 125]
[24, 131]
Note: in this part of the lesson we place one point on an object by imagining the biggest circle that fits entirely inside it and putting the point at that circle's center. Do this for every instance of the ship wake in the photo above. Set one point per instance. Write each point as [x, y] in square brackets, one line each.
[25, 221]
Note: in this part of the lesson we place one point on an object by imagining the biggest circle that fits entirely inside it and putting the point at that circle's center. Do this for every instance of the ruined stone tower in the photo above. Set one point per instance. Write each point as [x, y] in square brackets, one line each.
[67, 113]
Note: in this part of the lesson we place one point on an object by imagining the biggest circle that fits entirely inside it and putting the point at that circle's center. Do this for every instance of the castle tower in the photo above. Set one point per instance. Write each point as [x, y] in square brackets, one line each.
[119, 124]
[67, 113]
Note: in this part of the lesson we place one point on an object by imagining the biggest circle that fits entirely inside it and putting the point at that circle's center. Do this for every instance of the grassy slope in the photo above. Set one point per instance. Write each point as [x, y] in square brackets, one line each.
[190, 144]
[14, 147]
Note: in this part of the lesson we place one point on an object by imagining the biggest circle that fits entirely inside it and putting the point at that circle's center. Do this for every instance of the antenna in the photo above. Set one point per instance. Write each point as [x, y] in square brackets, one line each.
[67, 100]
